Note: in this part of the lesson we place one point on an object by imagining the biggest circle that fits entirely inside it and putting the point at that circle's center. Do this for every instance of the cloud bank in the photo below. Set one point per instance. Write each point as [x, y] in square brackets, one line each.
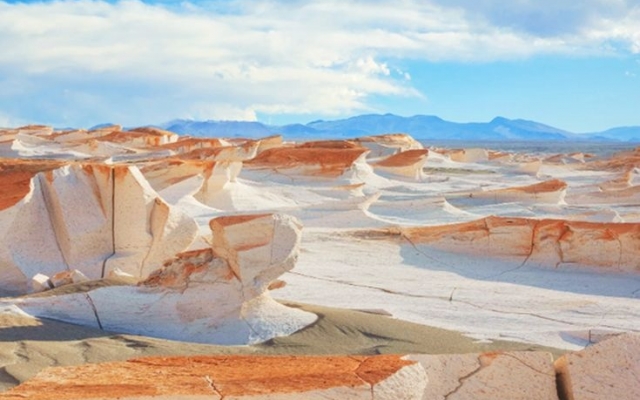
[80, 62]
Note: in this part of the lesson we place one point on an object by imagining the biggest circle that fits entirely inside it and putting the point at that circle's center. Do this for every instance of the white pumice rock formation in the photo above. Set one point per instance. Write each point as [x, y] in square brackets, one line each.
[607, 370]
[87, 217]
[217, 295]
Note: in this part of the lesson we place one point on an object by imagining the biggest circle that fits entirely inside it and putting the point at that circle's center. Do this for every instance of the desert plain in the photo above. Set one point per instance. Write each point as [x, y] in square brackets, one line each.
[138, 264]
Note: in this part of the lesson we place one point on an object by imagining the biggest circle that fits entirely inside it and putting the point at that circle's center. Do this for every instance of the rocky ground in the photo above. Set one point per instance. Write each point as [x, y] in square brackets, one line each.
[477, 268]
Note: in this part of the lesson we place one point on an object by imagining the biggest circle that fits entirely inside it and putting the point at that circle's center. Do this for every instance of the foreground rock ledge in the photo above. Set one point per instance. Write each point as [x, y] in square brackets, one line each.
[234, 377]
[607, 370]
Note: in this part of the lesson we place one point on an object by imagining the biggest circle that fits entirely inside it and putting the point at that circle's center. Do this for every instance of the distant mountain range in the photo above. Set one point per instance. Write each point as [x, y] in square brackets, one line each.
[419, 126]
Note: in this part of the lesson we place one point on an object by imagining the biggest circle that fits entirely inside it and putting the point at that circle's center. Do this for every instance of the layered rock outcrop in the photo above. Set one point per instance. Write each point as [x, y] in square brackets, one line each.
[550, 192]
[545, 242]
[323, 159]
[408, 163]
[216, 295]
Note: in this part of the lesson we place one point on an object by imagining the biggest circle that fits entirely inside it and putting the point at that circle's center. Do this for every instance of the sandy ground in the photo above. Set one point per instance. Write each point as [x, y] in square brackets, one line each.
[27, 345]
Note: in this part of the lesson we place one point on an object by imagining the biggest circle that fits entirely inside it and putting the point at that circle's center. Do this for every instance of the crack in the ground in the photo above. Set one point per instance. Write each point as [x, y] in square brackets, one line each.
[212, 386]
[389, 291]
[415, 247]
[95, 310]
[355, 371]
[553, 372]
[448, 299]
[464, 378]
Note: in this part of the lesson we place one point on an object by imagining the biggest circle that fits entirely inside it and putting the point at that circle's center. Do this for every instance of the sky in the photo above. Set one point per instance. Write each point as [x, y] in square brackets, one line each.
[571, 64]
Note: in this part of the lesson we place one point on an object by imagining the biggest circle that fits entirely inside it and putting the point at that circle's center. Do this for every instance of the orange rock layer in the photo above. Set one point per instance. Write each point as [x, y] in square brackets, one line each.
[207, 376]
[547, 241]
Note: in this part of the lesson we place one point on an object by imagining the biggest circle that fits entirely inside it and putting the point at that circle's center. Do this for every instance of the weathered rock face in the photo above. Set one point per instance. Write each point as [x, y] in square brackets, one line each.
[469, 155]
[232, 377]
[217, 295]
[407, 163]
[606, 370]
[547, 242]
[488, 376]
[549, 192]
[388, 145]
[324, 159]
[89, 217]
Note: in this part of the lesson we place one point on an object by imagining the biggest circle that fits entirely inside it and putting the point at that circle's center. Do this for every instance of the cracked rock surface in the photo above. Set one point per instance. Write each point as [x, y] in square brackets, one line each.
[232, 377]
[485, 376]
[607, 370]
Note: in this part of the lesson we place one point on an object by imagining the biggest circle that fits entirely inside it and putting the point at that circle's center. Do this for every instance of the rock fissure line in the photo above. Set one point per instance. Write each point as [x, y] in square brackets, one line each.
[402, 235]
[113, 222]
[464, 378]
[95, 310]
[212, 386]
[619, 250]
[553, 373]
[369, 287]
[533, 235]
[50, 215]
[517, 313]
[448, 299]
[355, 371]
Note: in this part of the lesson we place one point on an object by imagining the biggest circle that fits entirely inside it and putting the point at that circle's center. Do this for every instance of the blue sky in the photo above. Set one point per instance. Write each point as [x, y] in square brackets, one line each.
[573, 65]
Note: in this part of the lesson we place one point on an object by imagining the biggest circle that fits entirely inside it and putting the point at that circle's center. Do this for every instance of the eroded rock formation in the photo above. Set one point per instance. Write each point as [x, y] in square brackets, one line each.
[89, 217]
[544, 242]
[216, 295]
[408, 163]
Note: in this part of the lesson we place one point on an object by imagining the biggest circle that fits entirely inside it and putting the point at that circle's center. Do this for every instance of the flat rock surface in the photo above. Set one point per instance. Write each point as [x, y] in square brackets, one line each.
[485, 376]
[241, 377]
[607, 370]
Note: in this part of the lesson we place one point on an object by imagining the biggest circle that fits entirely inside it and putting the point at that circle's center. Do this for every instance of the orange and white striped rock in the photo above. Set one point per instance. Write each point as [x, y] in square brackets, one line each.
[408, 163]
[546, 242]
[551, 192]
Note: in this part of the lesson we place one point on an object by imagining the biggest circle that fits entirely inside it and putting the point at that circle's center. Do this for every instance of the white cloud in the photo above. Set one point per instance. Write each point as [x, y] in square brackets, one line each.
[133, 62]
